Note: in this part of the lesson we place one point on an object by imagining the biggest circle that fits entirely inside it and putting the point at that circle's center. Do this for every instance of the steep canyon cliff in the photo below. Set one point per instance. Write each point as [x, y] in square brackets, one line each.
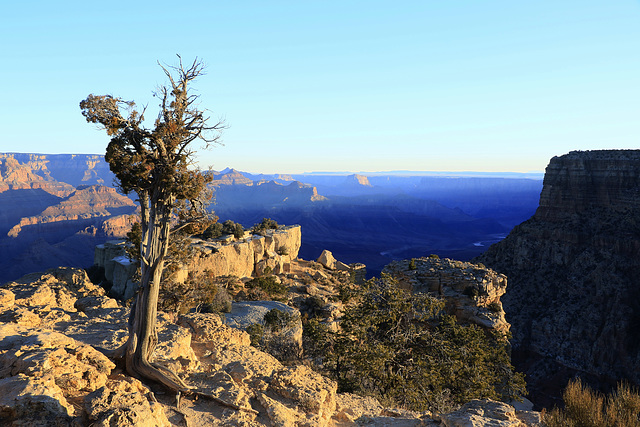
[574, 291]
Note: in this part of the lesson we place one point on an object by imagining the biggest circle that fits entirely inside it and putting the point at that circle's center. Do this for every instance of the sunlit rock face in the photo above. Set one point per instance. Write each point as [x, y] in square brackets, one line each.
[574, 292]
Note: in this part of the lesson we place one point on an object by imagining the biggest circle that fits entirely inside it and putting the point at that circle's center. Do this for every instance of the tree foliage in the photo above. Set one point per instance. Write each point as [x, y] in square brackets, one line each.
[156, 163]
[403, 349]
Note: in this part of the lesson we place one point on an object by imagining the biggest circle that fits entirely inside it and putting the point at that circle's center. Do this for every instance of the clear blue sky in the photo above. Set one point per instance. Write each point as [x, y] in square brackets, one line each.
[338, 85]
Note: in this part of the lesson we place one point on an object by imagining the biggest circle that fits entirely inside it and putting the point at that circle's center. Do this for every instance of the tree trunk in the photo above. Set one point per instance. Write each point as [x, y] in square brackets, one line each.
[143, 336]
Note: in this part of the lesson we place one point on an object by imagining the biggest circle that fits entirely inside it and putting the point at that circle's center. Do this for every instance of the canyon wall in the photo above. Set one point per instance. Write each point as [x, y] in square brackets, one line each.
[574, 290]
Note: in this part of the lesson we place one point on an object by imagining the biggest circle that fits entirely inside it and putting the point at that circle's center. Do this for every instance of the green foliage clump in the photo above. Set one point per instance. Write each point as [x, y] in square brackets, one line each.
[412, 264]
[200, 292]
[277, 320]
[217, 229]
[270, 288]
[273, 337]
[264, 225]
[494, 307]
[587, 408]
[434, 256]
[256, 333]
[404, 350]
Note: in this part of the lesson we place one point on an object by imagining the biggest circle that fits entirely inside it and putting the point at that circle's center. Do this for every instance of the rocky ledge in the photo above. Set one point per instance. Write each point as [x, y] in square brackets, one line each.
[471, 291]
[51, 373]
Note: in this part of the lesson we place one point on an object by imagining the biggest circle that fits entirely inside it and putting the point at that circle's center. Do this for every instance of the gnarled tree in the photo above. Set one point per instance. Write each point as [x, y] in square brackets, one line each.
[156, 164]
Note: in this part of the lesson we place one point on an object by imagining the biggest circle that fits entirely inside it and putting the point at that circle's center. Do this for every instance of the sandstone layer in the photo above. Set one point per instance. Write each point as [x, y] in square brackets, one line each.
[574, 292]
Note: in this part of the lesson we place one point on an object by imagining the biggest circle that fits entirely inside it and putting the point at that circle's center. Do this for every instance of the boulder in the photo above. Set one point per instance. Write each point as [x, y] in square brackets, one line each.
[488, 412]
[326, 259]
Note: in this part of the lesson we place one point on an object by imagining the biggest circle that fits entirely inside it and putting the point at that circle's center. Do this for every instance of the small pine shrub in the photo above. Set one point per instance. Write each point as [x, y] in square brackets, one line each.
[268, 284]
[412, 264]
[256, 333]
[277, 320]
[264, 225]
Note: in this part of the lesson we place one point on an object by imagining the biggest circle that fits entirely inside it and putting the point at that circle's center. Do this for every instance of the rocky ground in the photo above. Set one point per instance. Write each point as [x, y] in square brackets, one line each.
[52, 374]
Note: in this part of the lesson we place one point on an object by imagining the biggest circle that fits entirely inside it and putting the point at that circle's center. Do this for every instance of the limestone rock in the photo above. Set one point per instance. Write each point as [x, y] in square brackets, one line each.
[247, 313]
[486, 412]
[315, 393]
[326, 259]
[123, 402]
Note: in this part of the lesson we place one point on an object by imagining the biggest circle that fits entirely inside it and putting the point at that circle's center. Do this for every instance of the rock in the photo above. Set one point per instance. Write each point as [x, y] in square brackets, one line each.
[350, 407]
[573, 282]
[472, 292]
[486, 412]
[326, 259]
[245, 314]
[208, 327]
[313, 392]
[122, 402]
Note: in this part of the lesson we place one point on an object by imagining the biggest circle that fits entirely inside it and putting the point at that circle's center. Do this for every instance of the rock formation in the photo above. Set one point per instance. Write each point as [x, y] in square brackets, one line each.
[246, 257]
[472, 292]
[51, 373]
[574, 292]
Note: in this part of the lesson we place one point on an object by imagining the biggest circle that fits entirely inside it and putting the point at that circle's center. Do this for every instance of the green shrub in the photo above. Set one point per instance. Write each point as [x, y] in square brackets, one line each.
[270, 286]
[230, 227]
[494, 307]
[213, 231]
[265, 224]
[256, 332]
[277, 320]
[434, 256]
[404, 350]
[412, 264]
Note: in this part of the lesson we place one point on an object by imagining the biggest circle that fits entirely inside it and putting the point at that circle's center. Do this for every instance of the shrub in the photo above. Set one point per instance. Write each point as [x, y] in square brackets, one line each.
[434, 256]
[265, 224]
[589, 408]
[213, 231]
[270, 286]
[230, 227]
[277, 320]
[412, 264]
[404, 350]
[494, 307]
[256, 332]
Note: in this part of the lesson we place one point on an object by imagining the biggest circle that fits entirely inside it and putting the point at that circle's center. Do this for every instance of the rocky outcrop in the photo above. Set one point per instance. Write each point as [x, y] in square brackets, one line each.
[51, 374]
[574, 292]
[245, 257]
[471, 292]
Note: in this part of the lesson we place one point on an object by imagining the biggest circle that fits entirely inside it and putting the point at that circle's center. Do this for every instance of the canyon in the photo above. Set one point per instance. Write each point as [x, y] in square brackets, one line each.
[574, 295]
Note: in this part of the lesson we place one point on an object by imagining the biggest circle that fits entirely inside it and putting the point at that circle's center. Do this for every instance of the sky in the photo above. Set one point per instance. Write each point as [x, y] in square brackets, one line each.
[446, 85]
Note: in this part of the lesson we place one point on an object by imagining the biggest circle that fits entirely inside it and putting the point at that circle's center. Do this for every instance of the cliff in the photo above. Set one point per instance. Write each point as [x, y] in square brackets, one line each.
[574, 294]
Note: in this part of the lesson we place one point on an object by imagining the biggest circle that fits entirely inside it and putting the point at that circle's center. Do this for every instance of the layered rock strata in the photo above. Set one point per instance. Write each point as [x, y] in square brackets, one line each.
[574, 291]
